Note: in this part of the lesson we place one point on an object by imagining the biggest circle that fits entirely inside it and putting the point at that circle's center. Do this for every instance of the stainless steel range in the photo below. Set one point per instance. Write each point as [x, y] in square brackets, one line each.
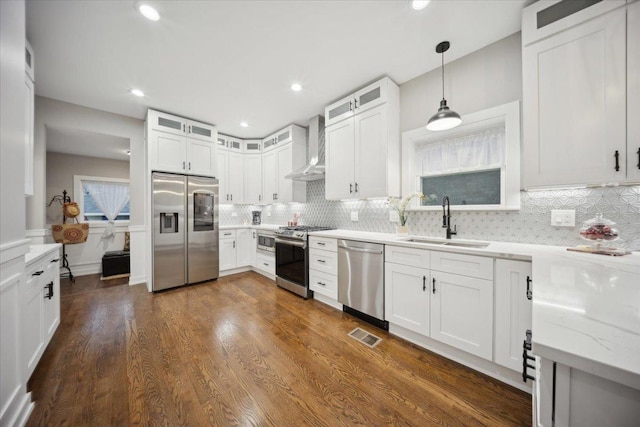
[292, 258]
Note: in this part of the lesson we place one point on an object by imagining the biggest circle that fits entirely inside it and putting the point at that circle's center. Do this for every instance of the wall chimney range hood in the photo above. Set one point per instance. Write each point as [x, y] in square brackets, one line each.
[314, 169]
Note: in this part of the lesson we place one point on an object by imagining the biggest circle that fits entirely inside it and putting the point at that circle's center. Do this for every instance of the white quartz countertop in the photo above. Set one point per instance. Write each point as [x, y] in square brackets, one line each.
[586, 313]
[268, 227]
[38, 251]
[516, 251]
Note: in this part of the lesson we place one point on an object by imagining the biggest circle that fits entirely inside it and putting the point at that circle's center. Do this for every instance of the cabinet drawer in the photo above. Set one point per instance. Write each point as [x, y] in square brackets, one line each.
[323, 243]
[227, 234]
[407, 256]
[266, 263]
[324, 261]
[325, 284]
[465, 265]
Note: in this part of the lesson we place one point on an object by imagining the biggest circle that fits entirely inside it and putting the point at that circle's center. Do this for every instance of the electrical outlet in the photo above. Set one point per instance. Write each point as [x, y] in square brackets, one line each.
[354, 216]
[393, 216]
[563, 218]
[234, 214]
[268, 213]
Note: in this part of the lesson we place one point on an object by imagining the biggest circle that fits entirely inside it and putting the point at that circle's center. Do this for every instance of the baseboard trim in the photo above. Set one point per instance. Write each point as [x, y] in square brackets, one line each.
[328, 301]
[19, 408]
[233, 271]
[136, 280]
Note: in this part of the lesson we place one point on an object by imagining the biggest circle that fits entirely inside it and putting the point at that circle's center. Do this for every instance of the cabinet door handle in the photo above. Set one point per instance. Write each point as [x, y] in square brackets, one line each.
[189, 165]
[529, 292]
[276, 196]
[424, 283]
[184, 128]
[49, 287]
[350, 105]
[232, 197]
[37, 273]
[259, 197]
[254, 234]
[183, 165]
[617, 156]
[434, 285]
[350, 188]
[638, 157]
[355, 103]
[189, 129]
[234, 243]
[356, 187]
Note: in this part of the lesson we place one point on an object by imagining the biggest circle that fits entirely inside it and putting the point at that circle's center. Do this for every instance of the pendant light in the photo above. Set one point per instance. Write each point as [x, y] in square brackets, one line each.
[445, 118]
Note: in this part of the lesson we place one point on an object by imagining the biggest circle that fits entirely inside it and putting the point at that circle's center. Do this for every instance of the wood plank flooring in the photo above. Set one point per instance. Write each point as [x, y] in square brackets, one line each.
[240, 351]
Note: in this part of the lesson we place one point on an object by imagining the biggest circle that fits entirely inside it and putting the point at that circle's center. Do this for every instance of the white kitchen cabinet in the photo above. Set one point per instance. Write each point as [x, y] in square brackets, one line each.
[227, 249]
[362, 148]
[41, 308]
[180, 145]
[512, 311]
[633, 91]
[252, 181]
[407, 296]
[246, 247]
[280, 161]
[252, 146]
[362, 100]
[254, 248]
[230, 176]
[323, 266]
[575, 96]
[266, 263]
[462, 312]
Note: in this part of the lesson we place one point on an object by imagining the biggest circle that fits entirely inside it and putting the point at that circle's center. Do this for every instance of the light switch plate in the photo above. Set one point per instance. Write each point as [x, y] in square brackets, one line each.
[393, 216]
[563, 218]
[354, 216]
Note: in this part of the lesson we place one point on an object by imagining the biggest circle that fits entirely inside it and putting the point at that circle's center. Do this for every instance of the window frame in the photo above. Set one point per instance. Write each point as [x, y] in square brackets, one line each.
[507, 115]
[78, 192]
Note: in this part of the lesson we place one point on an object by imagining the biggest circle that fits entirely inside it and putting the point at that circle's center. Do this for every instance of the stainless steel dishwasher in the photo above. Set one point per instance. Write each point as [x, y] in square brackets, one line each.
[361, 280]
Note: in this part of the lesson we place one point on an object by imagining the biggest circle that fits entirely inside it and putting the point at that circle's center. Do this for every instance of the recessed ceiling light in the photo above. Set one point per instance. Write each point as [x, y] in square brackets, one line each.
[244, 124]
[137, 92]
[149, 12]
[296, 87]
[419, 4]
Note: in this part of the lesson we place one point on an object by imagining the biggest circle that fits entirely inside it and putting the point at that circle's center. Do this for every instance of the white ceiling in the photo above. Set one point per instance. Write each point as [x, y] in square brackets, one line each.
[225, 61]
[85, 143]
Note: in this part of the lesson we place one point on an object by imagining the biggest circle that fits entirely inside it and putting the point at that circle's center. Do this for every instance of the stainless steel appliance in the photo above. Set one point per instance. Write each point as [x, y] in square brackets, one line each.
[256, 217]
[292, 259]
[361, 280]
[266, 241]
[185, 229]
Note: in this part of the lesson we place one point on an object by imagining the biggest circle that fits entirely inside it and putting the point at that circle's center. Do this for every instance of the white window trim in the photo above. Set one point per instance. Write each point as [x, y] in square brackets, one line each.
[507, 114]
[78, 193]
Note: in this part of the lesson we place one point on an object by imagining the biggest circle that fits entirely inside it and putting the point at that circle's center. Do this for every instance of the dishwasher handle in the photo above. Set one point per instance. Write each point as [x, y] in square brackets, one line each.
[366, 251]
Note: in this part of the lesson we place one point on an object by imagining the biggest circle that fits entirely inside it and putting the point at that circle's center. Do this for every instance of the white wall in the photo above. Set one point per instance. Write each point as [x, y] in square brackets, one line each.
[15, 402]
[487, 78]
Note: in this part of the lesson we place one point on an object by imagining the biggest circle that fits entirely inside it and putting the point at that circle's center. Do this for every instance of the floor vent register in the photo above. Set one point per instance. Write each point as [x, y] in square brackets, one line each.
[365, 337]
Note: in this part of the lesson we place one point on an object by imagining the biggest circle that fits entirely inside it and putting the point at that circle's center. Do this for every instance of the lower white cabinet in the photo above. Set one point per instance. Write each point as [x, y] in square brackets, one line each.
[245, 247]
[41, 308]
[407, 293]
[266, 263]
[462, 312]
[227, 249]
[323, 266]
[512, 311]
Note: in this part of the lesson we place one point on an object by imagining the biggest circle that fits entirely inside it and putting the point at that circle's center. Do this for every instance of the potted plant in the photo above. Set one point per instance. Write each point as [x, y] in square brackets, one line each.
[400, 206]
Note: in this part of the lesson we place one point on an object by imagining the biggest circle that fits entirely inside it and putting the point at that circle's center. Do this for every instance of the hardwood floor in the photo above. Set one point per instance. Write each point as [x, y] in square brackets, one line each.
[240, 351]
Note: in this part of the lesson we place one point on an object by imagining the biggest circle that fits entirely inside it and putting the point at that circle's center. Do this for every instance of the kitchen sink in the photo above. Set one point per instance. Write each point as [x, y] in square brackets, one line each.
[442, 242]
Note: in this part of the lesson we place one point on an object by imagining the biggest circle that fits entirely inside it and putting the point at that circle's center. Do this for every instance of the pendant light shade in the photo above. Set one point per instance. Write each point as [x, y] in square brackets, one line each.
[445, 118]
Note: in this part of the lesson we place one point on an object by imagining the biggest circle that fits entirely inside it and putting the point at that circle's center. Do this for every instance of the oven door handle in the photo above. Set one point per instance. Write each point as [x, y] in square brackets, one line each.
[297, 243]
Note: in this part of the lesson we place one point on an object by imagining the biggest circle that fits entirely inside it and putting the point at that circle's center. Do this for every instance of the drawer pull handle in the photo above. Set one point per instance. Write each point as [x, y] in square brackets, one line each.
[321, 260]
[321, 284]
[37, 273]
[320, 243]
[55, 260]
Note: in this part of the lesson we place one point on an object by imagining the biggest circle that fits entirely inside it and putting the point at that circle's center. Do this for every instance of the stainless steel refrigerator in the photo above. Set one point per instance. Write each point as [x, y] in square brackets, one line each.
[185, 230]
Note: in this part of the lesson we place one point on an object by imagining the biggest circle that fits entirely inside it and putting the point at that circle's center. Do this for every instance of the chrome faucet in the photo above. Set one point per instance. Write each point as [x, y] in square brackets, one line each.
[446, 218]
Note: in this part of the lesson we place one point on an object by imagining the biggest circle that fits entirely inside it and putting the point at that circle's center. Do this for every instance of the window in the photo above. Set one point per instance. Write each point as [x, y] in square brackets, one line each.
[89, 207]
[476, 164]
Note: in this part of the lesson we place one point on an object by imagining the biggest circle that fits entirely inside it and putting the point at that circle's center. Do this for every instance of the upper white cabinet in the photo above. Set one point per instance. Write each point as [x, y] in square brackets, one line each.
[180, 145]
[230, 176]
[575, 93]
[513, 287]
[281, 158]
[252, 180]
[362, 144]
[252, 146]
[29, 83]
[633, 91]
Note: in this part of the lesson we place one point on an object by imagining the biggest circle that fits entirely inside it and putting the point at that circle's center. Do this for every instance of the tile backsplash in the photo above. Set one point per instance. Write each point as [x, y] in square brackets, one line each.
[531, 224]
